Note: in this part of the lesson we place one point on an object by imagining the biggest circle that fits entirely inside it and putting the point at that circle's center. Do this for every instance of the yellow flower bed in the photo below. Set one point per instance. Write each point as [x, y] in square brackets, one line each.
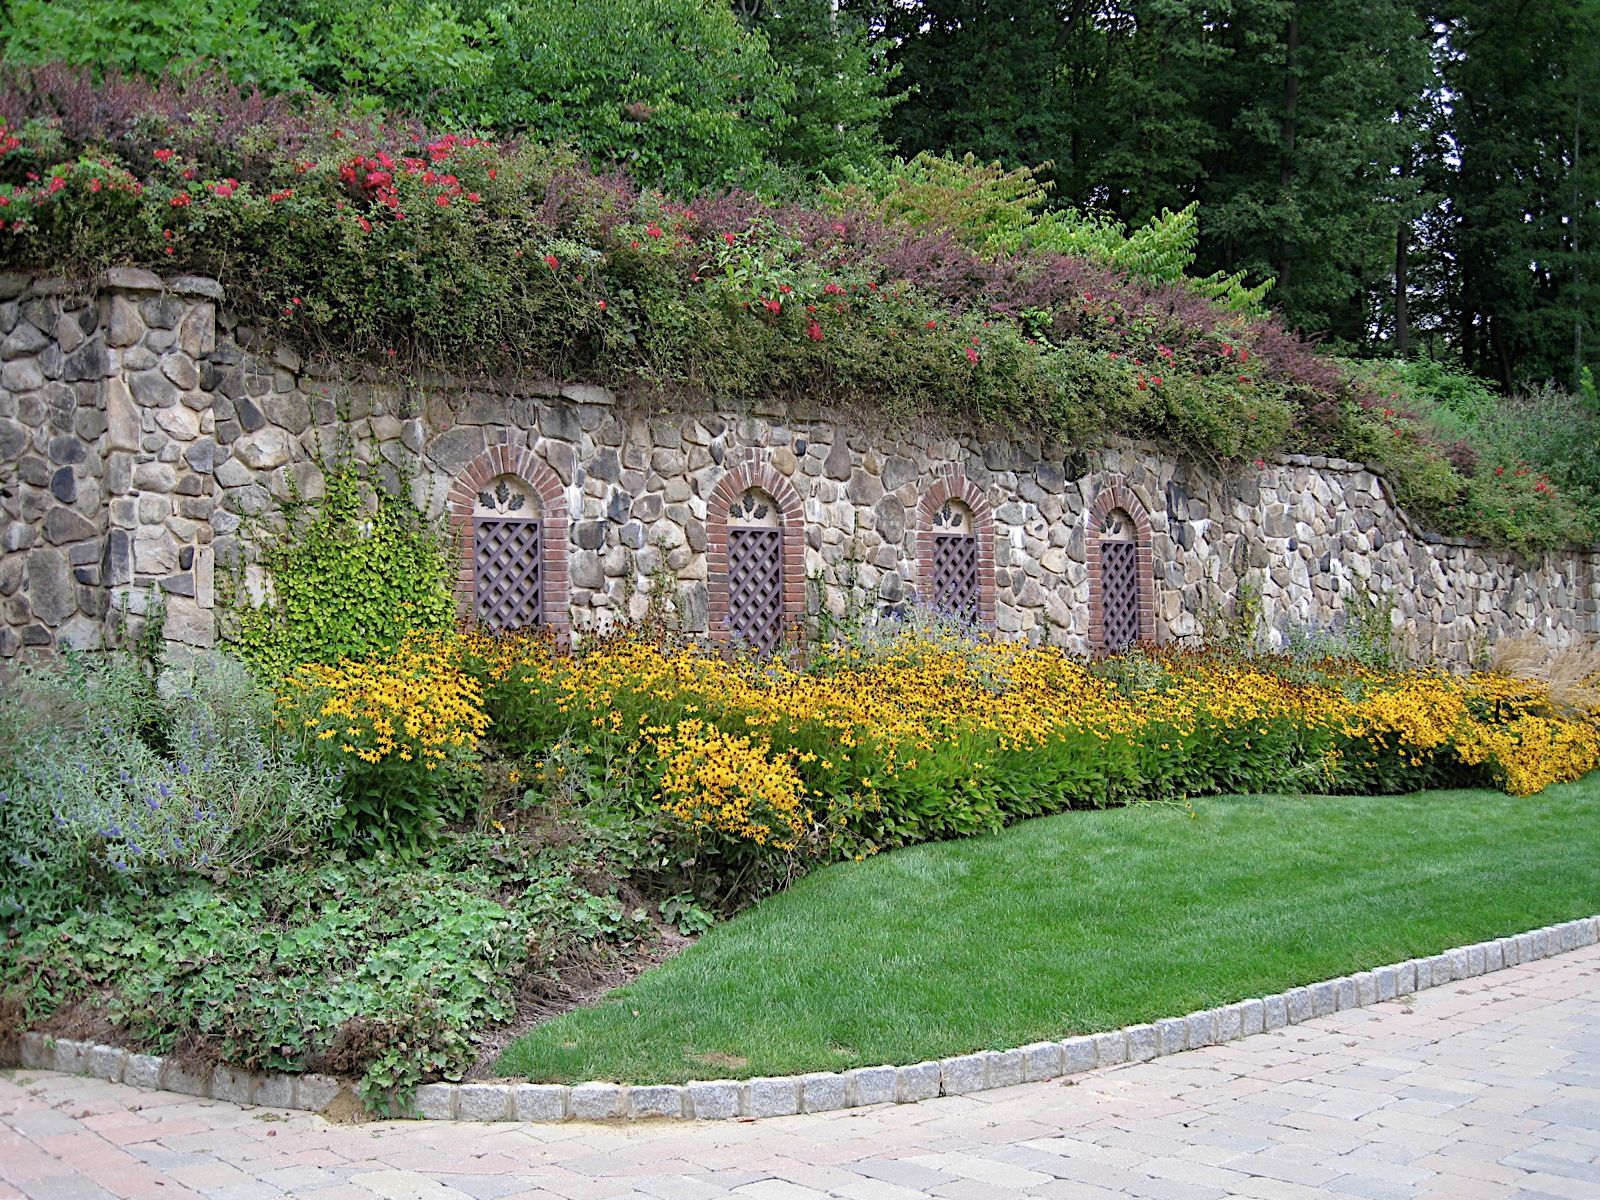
[416, 706]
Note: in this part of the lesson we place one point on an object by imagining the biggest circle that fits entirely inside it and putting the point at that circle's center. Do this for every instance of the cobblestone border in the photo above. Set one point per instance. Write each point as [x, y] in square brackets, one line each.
[822, 1091]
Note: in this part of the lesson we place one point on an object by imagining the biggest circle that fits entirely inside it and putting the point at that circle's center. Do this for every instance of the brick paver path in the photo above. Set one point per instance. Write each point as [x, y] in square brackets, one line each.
[1482, 1089]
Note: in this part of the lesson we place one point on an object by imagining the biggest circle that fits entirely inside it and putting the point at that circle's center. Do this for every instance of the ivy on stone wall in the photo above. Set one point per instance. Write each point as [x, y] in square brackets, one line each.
[353, 573]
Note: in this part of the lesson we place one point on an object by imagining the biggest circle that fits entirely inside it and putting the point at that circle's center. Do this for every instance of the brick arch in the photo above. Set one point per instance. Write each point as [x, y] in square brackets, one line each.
[951, 484]
[522, 463]
[755, 473]
[1116, 493]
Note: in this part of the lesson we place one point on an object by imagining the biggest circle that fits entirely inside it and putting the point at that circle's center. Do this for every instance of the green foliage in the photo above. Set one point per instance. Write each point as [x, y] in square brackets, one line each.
[1001, 211]
[355, 572]
[113, 783]
[1526, 467]
[382, 969]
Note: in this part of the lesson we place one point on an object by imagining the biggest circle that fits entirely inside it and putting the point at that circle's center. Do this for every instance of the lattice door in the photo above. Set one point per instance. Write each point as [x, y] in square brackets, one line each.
[506, 562]
[955, 573]
[1119, 593]
[755, 587]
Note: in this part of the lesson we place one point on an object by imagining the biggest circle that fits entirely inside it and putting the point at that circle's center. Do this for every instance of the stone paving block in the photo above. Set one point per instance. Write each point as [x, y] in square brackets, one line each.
[1172, 1035]
[1252, 1017]
[772, 1097]
[275, 1091]
[1541, 943]
[1386, 981]
[1493, 956]
[823, 1091]
[1041, 1060]
[1460, 964]
[1111, 1048]
[961, 1074]
[232, 1085]
[1366, 988]
[1003, 1068]
[315, 1092]
[1229, 1023]
[68, 1056]
[539, 1102]
[594, 1101]
[35, 1053]
[1405, 978]
[1079, 1054]
[107, 1062]
[1274, 1012]
[483, 1102]
[1144, 1042]
[436, 1101]
[1511, 951]
[142, 1070]
[1476, 964]
[657, 1100]
[1201, 1029]
[189, 1083]
[920, 1081]
[1325, 998]
[1299, 1002]
[1441, 969]
[872, 1085]
[714, 1099]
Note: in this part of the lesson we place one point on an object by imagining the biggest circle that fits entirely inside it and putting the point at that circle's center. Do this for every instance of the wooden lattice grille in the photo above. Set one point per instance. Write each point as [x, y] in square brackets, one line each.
[755, 587]
[955, 573]
[1119, 594]
[505, 563]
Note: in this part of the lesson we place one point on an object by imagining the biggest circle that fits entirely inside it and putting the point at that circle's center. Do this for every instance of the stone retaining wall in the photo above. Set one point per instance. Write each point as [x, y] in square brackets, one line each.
[142, 429]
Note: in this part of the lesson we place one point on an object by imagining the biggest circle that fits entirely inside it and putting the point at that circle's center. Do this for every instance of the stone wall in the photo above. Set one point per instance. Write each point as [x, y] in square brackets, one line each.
[146, 437]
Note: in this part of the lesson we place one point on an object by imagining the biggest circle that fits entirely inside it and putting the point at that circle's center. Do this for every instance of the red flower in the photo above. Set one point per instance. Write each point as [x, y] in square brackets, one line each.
[653, 230]
[1244, 356]
[366, 225]
[551, 261]
[833, 289]
[814, 332]
[1262, 463]
[728, 237]
[1499, 470]
[1227, 350]
[602, 306]
[170, 250]
[442, 200]
[932, 325]
[473, 197]
[972, 355]
[493, 172]
[94, 185]
[1155, 380]
[773, 306]
[181, 199]
[163, 155]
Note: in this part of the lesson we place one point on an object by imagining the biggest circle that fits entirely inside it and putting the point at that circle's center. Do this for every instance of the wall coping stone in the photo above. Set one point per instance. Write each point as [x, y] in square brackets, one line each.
[751, 1099]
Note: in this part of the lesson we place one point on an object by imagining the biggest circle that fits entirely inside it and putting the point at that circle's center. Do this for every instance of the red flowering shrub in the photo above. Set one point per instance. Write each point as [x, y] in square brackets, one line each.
[357, 236]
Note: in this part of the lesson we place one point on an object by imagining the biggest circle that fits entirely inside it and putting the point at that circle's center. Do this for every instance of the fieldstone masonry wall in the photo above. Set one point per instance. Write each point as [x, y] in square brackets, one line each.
[146, 438]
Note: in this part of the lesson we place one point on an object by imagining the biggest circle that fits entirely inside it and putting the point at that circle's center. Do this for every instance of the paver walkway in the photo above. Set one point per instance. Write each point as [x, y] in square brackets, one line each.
[1482, 1089]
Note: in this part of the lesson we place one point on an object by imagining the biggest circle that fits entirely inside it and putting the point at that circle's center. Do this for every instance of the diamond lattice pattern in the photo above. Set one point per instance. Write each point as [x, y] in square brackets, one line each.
[955, 573]
[1119, 593]
[755, 587]
[506, 562]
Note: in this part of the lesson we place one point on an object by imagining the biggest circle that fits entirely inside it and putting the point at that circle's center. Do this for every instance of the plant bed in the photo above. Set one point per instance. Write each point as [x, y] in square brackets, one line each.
[385, 867]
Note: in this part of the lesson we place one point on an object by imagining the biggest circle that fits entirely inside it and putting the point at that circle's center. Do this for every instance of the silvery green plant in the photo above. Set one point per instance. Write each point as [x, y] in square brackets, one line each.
[111, 776]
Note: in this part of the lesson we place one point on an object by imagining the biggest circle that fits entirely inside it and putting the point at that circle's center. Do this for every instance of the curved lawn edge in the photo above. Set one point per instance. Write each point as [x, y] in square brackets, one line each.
[824, 1091]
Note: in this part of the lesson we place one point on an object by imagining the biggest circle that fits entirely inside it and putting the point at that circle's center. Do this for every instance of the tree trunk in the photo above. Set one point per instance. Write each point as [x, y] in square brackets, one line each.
[1291, 102]
[1402, 329]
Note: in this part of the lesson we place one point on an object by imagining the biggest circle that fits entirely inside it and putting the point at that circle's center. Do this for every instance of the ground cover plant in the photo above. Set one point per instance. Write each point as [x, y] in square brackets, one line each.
[1080, 923]
[351, 235]
[424, 838]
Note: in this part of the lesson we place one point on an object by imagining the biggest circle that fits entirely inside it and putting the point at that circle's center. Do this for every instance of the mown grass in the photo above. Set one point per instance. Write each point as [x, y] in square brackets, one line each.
[1082, 922]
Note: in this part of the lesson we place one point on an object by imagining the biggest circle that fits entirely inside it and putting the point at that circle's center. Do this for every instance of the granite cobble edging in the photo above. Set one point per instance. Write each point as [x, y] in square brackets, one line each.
[823, 1091]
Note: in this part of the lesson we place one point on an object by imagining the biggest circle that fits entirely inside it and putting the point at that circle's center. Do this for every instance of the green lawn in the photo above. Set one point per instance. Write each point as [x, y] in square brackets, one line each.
[1081, 922]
